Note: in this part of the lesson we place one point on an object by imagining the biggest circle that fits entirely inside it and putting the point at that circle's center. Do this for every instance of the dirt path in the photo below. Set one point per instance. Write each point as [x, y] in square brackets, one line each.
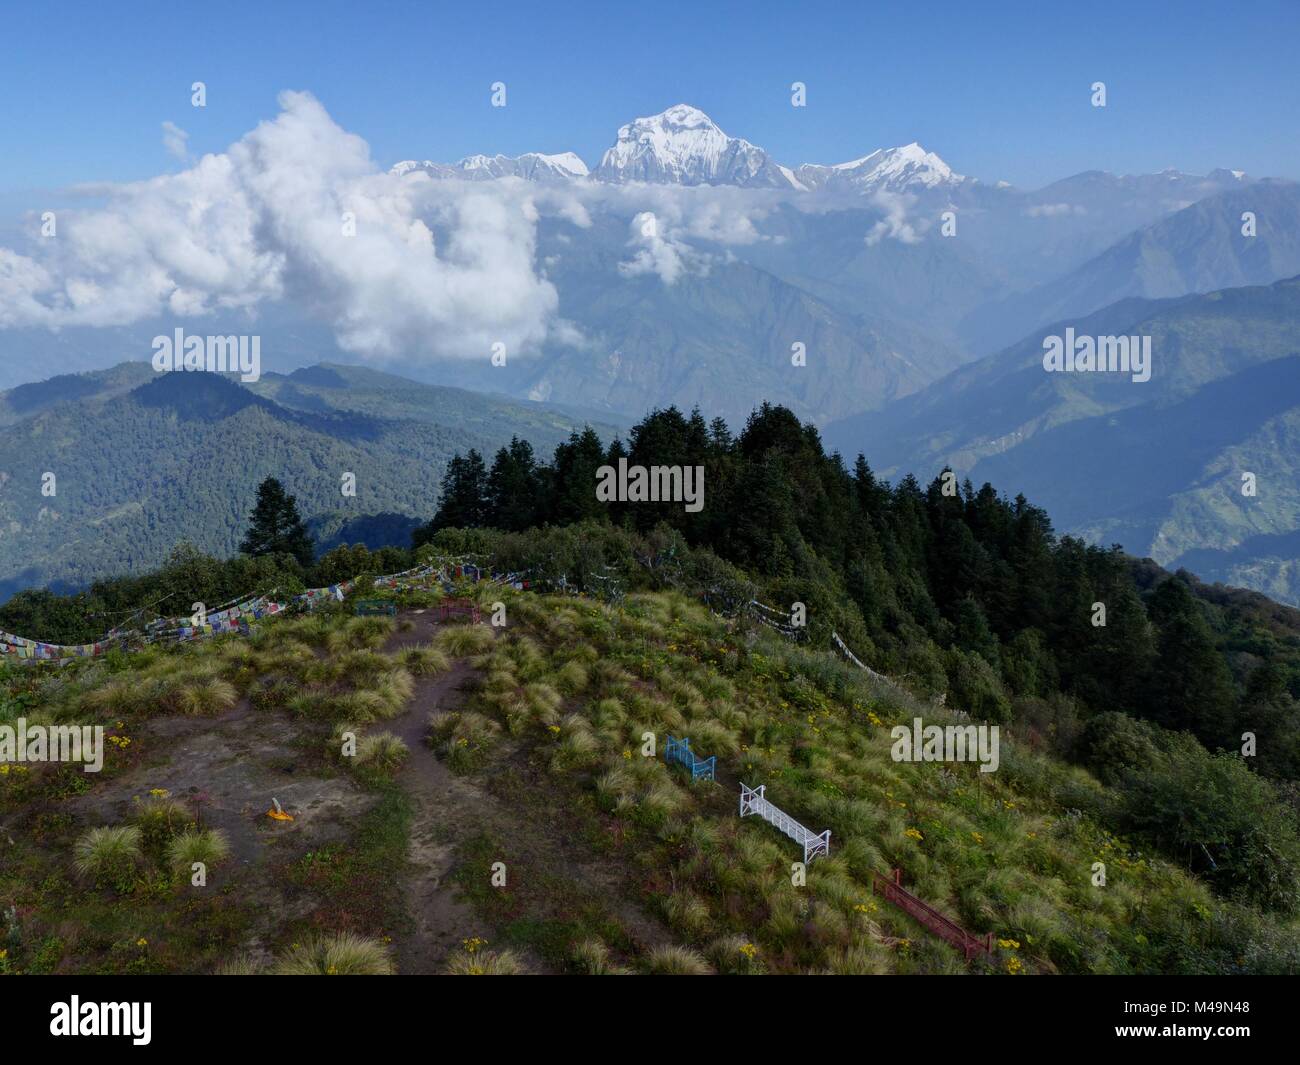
[443, 807]
[532, 825]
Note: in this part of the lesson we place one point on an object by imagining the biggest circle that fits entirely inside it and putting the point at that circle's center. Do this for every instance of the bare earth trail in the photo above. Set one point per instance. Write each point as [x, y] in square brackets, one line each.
[448, 809]
[444, 808]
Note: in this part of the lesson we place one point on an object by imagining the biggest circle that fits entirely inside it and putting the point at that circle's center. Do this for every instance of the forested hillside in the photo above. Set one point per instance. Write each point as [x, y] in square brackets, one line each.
[959, 593]
[1156, 466]
[140, 462]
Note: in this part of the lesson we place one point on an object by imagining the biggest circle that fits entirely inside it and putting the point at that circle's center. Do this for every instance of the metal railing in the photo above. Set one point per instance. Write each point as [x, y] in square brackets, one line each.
[940, 924]
[754, 801]
[680, 751]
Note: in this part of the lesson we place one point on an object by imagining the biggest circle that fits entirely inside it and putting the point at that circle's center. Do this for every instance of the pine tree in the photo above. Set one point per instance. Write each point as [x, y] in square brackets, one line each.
[574, 478]
[462, 501]
[277, 527]
[514, 488]
[1191, 687]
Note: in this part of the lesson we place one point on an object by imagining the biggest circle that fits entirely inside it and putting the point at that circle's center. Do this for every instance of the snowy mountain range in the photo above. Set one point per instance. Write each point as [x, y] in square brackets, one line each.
[684, 146]
[531, 166]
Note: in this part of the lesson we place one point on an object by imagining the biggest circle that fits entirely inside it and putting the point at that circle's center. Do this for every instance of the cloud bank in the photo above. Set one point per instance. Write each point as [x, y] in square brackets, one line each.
[296, 209]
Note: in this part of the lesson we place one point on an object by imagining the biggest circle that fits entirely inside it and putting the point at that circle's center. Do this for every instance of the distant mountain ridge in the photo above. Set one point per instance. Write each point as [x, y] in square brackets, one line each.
[143, 460]
[683, 146]
[1157, 467]
[1200, 248]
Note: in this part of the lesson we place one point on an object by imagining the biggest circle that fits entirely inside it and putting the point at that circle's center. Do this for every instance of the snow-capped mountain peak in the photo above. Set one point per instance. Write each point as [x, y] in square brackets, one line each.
[531, 166]
[890, 169]
[683, 146]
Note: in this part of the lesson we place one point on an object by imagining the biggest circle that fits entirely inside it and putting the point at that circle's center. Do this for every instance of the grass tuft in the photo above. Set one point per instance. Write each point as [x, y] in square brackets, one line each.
[207, 845]
[341, 954]
[676, 961]
[108, 854]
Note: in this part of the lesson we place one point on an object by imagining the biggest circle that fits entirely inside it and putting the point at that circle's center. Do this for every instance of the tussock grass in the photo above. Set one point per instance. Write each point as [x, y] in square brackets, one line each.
[108, 853]
[591, 956]
[274, 693]
[313, 702]
[159, 818]
[863, 958]
[579, 747]
[460, 640]
[361, 707]
[341, 954]
[571, 678]
[126, 696]
[676, 961]
[240, 965]
[382, 750]
[395, 687]
[687, 912]
[424, 661]
[484, 963]
[608, 713]
[360, 667]
[463, 738]
[577, 684]
[207, 845]
[210, 696]
[539, 702]
[360, 633]
[735, 955]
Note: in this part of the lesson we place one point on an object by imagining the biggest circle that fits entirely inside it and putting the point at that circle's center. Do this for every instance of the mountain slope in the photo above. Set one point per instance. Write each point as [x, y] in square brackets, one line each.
[1200, 248]
[181, 457]
[720, 336]
[1154, 466]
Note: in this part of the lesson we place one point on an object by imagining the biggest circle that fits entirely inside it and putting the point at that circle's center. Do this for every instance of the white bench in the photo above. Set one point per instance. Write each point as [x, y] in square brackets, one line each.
[753, 801]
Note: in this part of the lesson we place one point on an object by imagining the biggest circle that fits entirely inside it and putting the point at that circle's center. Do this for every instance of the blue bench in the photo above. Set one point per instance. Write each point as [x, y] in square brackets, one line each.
[680, 751]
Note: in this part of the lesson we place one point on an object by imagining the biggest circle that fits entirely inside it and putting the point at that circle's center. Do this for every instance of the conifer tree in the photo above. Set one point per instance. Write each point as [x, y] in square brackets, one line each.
[277, 527]
[514, 488]
[462, 501]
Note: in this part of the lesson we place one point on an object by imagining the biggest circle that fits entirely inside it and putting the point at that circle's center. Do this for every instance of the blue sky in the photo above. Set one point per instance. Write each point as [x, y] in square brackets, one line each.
[84, 87]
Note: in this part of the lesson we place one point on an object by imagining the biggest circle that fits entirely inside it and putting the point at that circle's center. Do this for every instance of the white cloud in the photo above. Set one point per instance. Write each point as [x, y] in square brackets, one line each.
[894, 223]
[669, 222]
[658, 253]
[441, 268]
[176, 141]
[265, 220]
[1054, 210]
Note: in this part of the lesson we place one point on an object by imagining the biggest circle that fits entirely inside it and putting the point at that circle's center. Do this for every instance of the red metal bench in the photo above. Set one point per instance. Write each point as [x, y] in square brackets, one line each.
[462, 607]
[934, 921]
